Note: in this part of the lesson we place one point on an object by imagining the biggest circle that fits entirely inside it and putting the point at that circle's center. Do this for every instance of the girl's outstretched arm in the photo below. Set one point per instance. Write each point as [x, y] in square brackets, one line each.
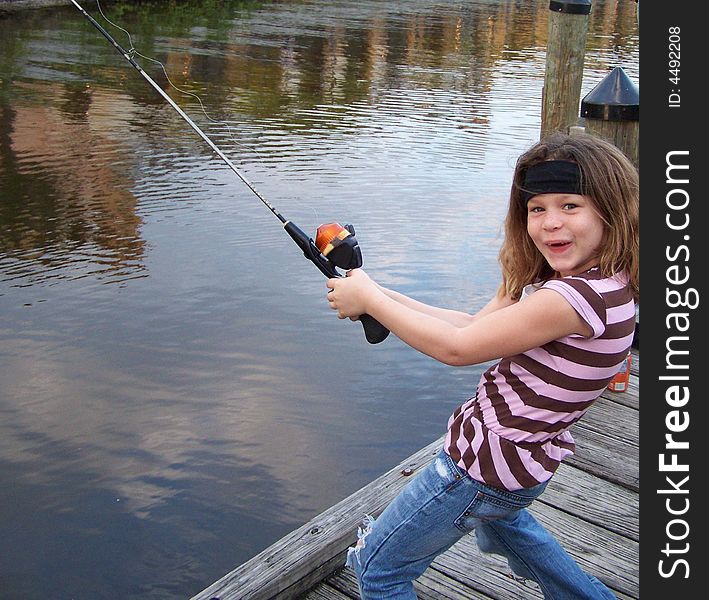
[454, 317]
[501, 328]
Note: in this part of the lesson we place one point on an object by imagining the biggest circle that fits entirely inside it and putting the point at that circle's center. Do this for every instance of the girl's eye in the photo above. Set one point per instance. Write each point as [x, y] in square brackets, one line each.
[570, 205]
[536, 209]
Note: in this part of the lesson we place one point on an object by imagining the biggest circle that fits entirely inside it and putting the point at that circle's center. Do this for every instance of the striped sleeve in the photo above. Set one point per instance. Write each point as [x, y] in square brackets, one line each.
[584, 299]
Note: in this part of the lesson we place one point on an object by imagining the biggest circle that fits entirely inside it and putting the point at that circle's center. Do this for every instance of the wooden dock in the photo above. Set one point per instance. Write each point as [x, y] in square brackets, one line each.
[591, 506]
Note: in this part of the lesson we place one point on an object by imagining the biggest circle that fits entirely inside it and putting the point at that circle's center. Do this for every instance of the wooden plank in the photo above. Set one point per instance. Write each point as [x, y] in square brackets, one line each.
[343, 580]
[324, 591]
[602, 535]
[465, 572]
[485, 573]
[606, 457]
[613, 506]
[432, 585]
[612, 419]
[307, 555]
[437, 584]
[607, 441]
[311, 552]
[612, 558]
[607, 438]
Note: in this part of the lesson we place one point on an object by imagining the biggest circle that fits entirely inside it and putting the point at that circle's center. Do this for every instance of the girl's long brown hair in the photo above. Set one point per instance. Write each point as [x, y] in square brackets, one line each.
[610, 179]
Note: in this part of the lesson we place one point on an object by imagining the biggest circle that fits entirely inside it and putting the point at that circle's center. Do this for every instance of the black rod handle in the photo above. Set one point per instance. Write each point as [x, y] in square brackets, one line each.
[374, 331]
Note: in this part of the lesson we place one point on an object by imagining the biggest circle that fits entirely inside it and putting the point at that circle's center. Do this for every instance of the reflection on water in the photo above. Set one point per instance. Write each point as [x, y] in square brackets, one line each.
[175, 394]
[67, 208]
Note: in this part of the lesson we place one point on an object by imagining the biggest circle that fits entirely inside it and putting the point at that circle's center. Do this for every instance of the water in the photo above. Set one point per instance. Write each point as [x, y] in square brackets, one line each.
[175, 393]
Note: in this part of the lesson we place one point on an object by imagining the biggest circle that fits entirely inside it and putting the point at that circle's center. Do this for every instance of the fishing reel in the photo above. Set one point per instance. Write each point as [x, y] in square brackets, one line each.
[336, 247]
[339, 245]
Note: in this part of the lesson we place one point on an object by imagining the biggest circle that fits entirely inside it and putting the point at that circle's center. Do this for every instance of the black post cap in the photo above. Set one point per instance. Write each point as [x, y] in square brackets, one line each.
[615, 98]
[571, 7]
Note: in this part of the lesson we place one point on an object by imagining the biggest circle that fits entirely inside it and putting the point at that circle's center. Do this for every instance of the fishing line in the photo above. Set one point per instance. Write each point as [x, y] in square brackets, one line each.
[133, 51]
[335, 246]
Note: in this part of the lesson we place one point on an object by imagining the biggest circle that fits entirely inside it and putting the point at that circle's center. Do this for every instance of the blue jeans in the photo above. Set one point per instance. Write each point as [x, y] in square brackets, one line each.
[440, 505]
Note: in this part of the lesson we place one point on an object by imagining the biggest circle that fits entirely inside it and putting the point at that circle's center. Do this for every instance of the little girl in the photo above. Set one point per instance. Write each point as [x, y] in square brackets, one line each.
[563, 321]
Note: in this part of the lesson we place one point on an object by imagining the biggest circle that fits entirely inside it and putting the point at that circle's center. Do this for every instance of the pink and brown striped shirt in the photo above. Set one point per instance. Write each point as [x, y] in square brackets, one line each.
[514, 433]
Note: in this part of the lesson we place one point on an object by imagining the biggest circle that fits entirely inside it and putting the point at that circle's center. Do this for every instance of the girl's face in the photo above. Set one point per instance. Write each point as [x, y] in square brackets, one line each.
[567, 230]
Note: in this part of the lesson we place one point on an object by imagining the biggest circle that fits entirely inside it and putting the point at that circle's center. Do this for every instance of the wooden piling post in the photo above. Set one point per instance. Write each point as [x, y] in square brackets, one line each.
[566, 49]
[612, 111]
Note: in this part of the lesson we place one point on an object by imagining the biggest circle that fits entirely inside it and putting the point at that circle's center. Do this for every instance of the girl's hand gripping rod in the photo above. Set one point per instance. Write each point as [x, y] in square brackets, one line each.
[337, 245]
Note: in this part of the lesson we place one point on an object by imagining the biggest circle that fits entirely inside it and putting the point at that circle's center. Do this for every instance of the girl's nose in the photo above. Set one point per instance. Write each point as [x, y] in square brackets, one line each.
[552, 221]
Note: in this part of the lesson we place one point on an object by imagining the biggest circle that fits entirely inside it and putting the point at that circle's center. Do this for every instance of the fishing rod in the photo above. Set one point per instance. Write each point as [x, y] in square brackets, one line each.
[334, 245]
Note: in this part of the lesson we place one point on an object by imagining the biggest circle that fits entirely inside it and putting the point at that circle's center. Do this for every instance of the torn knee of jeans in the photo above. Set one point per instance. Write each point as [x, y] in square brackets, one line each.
[362, 533]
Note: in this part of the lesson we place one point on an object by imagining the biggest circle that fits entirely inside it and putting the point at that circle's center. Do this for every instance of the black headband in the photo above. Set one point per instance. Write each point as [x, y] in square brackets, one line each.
[552, 177]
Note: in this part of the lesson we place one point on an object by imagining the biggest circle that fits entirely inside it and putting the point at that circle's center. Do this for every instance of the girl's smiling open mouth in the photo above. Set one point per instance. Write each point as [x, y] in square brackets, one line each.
[558, 246]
